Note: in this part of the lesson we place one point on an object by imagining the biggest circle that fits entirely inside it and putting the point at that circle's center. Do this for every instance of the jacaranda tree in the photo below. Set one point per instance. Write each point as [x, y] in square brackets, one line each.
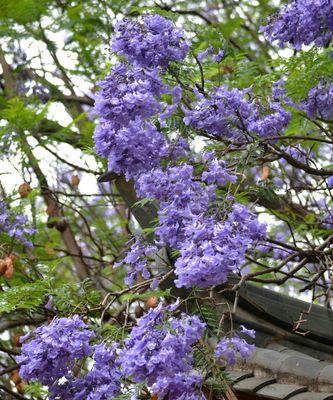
[150, 151]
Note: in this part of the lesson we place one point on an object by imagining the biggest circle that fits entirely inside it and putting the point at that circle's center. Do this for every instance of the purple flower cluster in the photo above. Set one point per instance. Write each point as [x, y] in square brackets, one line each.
[231, 114]
[132, 149]
[217, 57]
[159, 352]
[131, 95]
[302, 22]
[151, 43]
[127, 93]
[210, 247]
[229, 348]
[136, 261]
[319, 102]
[101, 382]
[296, 152]
[15, 226]
[52, 352]
[181, 198]
[213, 249]
[216, 172]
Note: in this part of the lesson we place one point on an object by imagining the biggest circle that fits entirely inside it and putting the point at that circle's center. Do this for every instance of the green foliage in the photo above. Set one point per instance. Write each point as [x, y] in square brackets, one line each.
[23, 11]
[67, 46]
[209, 316]
[146, 295]
[22, 117]
[35, 390]
[23, 297]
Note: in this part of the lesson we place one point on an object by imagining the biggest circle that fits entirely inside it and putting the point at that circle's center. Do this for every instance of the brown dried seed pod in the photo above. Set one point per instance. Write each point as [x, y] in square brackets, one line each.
[3, 267]
[24, 190]
[228, 69]
[152, 302]
[15, 377]
[13, 257]
[10, 268]
[16, 339]
[20, 387]
[265, 173]
[75, 180]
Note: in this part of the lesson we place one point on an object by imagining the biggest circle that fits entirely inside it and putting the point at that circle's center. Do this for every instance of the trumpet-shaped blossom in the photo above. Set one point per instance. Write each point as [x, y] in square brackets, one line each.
[302, 22]
[127, 93]
[152, 42]
[210, 248]
[181, 198]
[319, 102]
[53, 349]
[159, 352]
[233, 115]
[131, 150]
[230, 348]
[15, 226]
[213, 249]
[101, 382]
[136, 261]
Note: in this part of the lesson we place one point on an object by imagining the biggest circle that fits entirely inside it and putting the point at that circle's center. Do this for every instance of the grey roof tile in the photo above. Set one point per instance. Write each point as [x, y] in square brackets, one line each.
[285, 350]
[325, 379]
[294, 372]
[266, 359]
[298, 354]
[312, 396]
[237, 376]
[301, 370]
[278, 391]
[276, 346]
[253, 384]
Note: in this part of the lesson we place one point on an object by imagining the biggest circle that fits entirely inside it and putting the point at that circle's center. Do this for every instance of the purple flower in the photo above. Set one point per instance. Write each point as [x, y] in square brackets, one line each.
[210, 52]
[217, 173]
[54, 349]
[127, 93]
[330, 181]
[297, 153]
[131, 150]
[180, 197]
[230, 348]
[128, 99]
[218, 56]
[137, 262]
[153, 42]
[319, 102]
[209, 248]
[15, 226]
[249, 332]
[233, 116]
[159, 351]
[101, 382]
[302, 22]
[202, 55]
[213, 249]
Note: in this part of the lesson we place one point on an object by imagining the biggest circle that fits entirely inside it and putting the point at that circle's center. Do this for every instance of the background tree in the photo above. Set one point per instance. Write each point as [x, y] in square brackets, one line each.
[276, 143]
